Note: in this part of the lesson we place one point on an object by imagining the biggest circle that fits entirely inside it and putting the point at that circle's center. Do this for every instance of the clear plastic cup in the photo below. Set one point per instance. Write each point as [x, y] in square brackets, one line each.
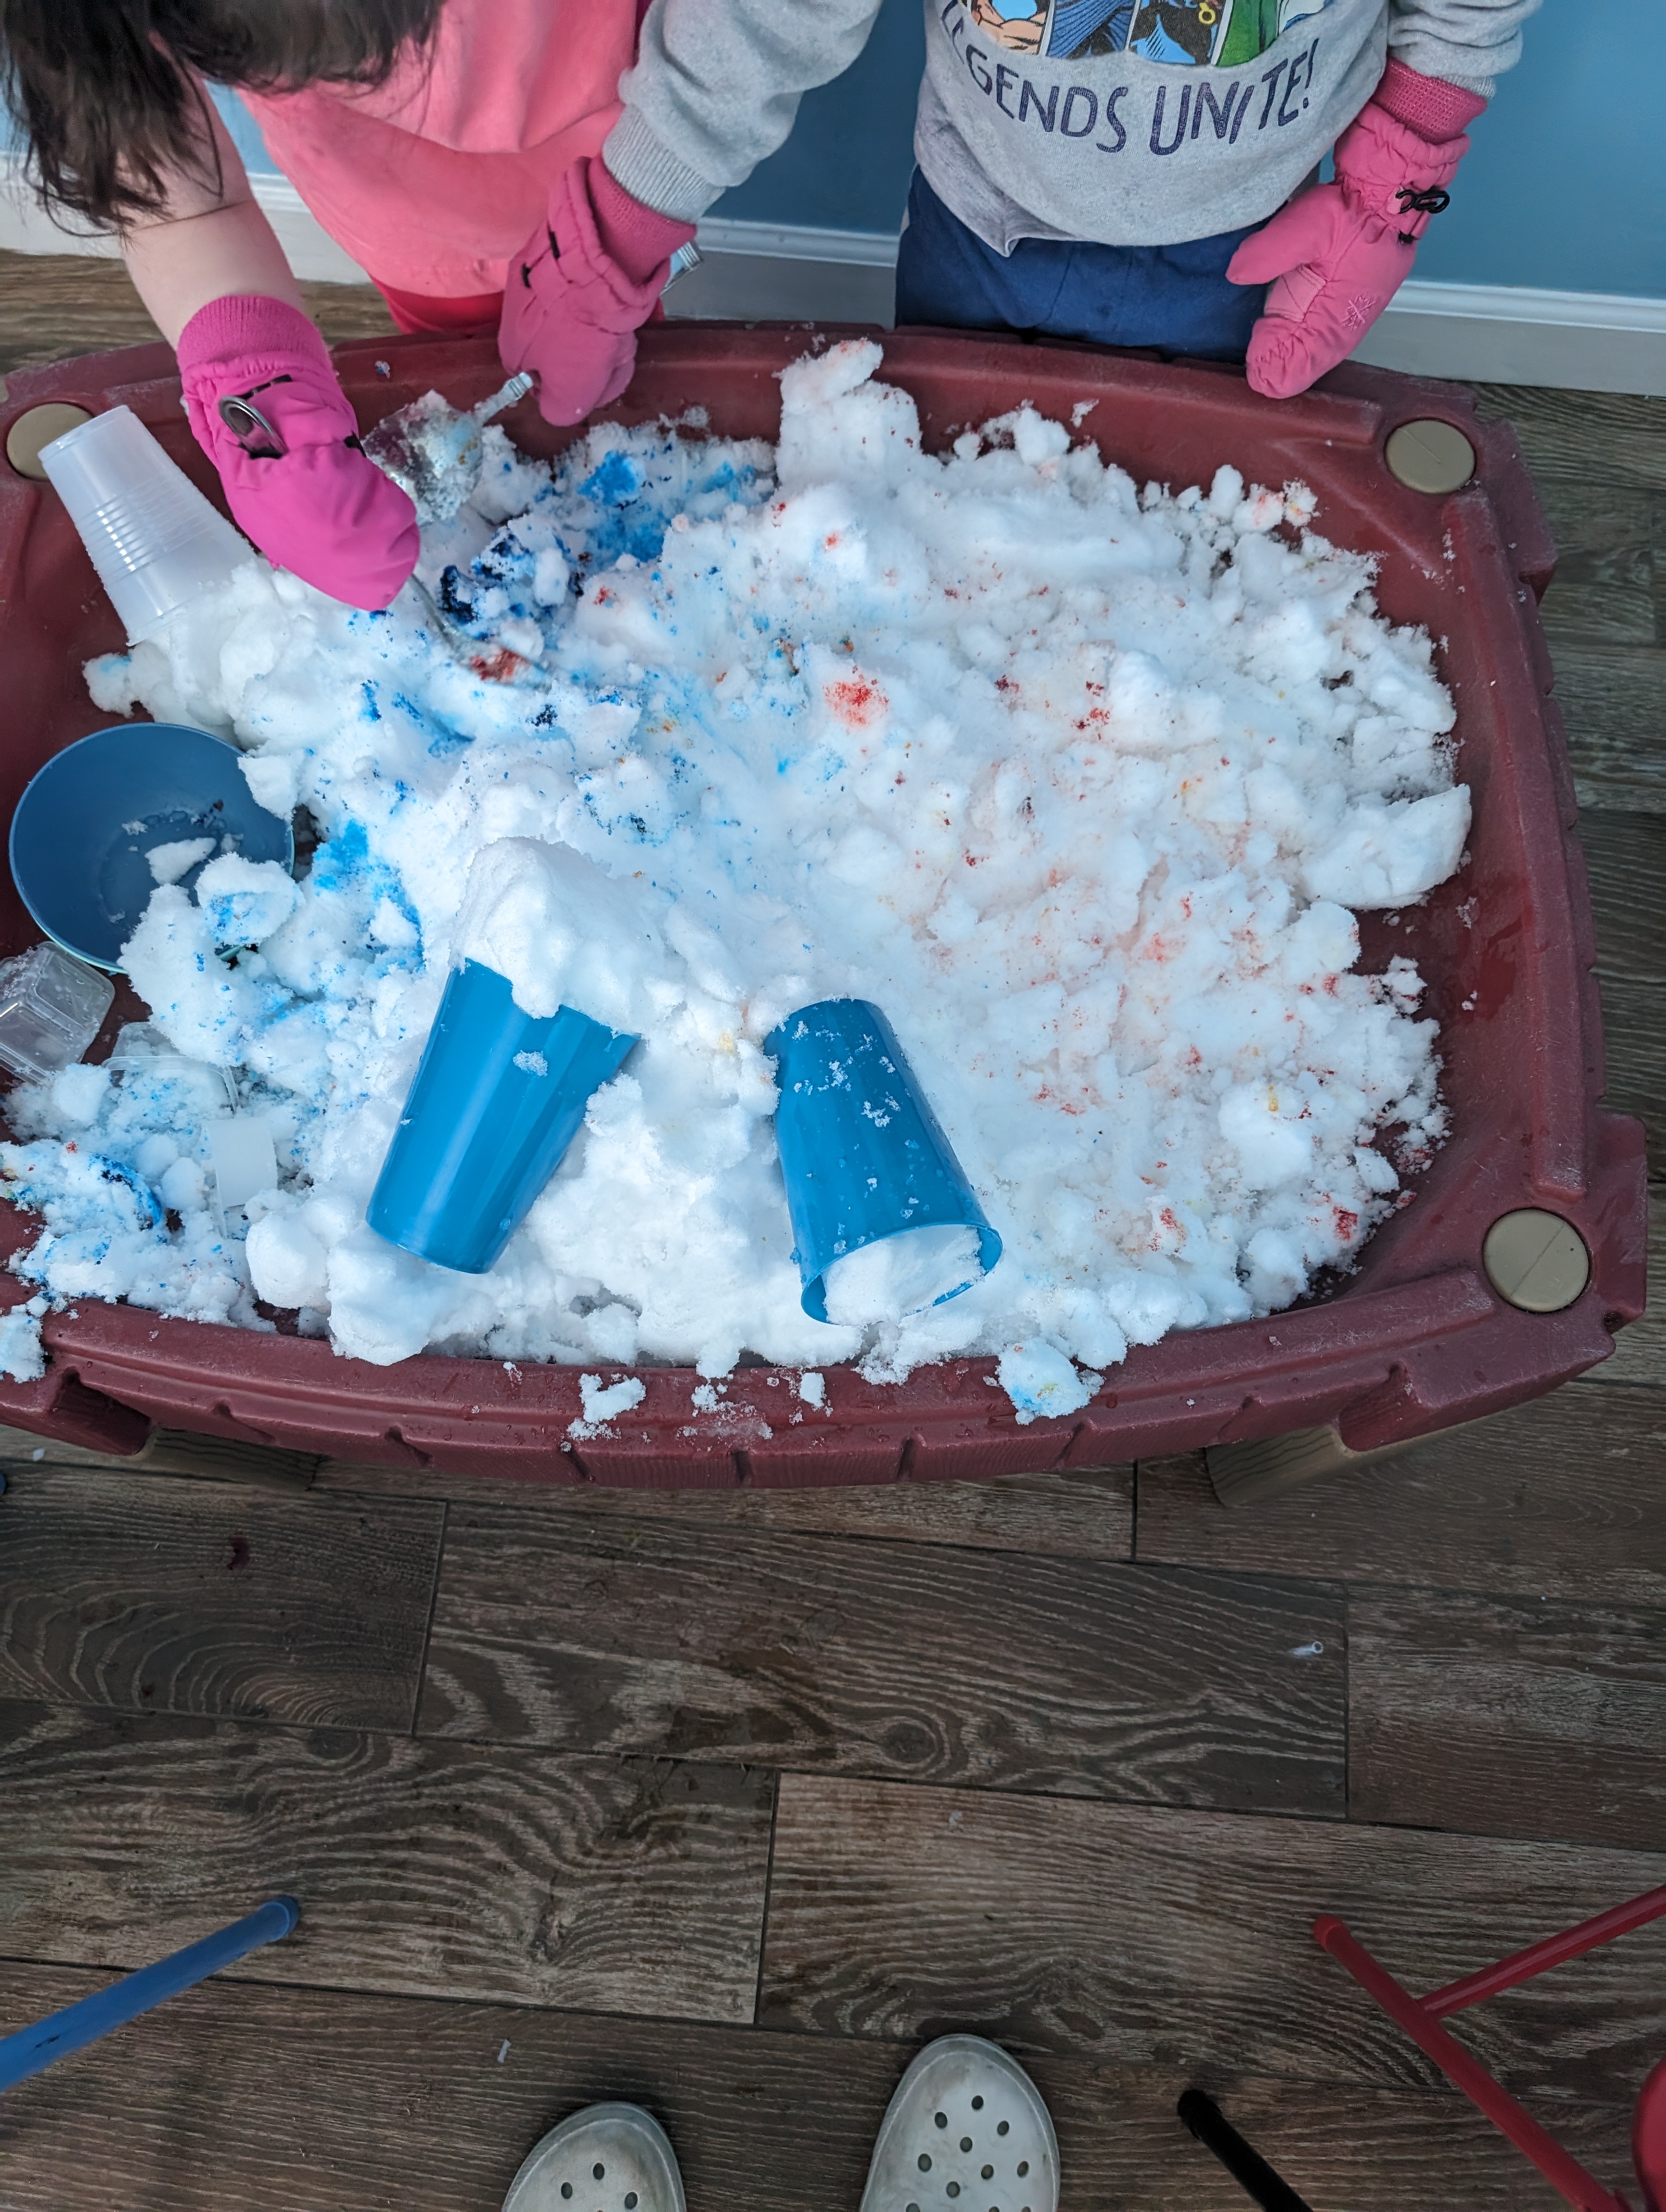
[156, 541]
[52, 1008]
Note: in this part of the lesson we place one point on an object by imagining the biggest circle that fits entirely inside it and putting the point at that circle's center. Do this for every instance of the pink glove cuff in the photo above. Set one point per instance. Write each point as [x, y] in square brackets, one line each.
[1387, 170]
[1437, 111]
[252, 332]
[637, 237]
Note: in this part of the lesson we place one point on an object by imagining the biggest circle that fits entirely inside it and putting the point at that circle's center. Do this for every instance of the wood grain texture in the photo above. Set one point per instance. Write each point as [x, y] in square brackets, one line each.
[1640, 1351]
[624, 1886]
[1131, 1934]
[52, 305]
[1563, 1497]
[155, 1596]
[1073, 1513]
[1614, 699]
[1626, 862]
[1606, 541]
[1002, 1671]
[1574, 439]
[405, 2103]
[1510, 1717]
[1634, 1035]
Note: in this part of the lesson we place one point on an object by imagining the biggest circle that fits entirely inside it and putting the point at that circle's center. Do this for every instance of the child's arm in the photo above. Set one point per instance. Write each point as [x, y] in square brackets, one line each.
[715, 88]
[208, 244]
[260, 390]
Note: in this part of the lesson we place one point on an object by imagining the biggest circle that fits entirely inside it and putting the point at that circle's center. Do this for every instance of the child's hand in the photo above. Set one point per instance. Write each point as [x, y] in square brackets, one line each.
[295, 480]
[580, 290]
[1338, 254]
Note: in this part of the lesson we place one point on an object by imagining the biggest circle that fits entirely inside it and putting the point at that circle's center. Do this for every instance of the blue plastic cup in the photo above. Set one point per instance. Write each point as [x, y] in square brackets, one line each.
[87, 823]
[863, 1155]
[497, 1099]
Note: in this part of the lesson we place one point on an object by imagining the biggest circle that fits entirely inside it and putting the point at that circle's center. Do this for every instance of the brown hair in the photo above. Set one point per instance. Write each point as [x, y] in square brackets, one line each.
[105, 89]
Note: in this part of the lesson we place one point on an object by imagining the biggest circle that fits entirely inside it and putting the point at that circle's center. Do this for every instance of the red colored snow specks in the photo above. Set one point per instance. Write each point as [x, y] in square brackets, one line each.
[500, 667]
[856, 701]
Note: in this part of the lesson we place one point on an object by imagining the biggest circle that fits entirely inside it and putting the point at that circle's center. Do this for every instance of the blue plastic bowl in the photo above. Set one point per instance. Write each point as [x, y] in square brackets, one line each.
[85, 824]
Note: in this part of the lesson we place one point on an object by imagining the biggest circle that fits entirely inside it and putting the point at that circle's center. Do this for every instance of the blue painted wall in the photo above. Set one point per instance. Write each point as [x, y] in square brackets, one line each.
[1564, 188]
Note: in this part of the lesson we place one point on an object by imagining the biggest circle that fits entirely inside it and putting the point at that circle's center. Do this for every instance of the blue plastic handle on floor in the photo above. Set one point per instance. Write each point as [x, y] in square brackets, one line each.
[35, 2048]
[499, 1096]
[863, 1155]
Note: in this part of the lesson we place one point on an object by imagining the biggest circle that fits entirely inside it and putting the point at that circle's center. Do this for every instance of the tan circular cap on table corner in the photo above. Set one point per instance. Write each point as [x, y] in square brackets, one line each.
[36, 427]
[1430, 456]
[1537, 1260]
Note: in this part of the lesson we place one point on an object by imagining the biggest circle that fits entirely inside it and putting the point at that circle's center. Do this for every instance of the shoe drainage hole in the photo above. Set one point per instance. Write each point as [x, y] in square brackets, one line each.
[1023, 2168]
[977, 2103]
[954, 2189]
[965, 2142]
[599, 2172]
[988, 2173]
[567, 2189]
[925, 2161]
[1003, 2127]
[942, 2119]
[630, 2202]
[913, 2207]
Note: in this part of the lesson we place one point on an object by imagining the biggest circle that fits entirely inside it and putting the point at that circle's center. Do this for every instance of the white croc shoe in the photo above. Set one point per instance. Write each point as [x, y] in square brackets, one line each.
[608, 2158]
[967, 2131]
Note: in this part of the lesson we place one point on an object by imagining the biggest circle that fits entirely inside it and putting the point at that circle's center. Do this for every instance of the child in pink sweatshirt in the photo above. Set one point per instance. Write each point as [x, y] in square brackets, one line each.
[1135, 172]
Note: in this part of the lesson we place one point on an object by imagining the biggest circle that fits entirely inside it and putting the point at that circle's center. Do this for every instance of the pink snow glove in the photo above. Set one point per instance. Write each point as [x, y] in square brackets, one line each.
[289, 459]
[1338, 254]
[582, 286]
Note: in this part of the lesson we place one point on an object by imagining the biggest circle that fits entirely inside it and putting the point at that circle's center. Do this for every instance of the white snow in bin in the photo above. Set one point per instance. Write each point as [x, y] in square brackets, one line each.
[1082, 781]
[169, 862]
[245, 901]
[812, 1387]
[22, 1355]
[901, 1275]
[243, 1157]
[604, 1402]
[1042, 1382]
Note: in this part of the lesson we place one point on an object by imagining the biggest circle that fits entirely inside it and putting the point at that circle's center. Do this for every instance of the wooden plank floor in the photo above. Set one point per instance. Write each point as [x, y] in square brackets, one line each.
[724, 1802]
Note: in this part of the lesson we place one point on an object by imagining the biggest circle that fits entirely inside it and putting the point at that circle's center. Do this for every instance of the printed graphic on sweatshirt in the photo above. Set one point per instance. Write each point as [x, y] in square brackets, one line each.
[1244, 107]
[1221, 33]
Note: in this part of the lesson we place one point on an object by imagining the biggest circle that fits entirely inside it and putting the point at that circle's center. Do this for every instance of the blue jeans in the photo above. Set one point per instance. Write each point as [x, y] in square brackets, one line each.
[1174, 298]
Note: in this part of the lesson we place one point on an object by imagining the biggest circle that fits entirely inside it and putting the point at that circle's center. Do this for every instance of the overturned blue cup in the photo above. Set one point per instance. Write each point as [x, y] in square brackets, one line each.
[497, 1099]
[865, 1160]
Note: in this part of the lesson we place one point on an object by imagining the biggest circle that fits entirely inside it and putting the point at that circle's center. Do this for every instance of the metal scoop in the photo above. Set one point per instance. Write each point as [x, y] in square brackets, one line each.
[434, 453]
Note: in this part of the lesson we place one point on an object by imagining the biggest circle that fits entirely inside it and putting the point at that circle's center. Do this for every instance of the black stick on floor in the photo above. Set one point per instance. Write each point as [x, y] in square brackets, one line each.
[1246, 2166]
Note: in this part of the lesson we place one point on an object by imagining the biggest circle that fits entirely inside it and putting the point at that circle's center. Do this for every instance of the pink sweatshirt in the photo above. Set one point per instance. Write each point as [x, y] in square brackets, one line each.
[432, 180]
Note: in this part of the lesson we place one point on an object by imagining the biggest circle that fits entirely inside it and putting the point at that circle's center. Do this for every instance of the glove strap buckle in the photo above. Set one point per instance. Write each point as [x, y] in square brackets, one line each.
[257, 437]
[1413, 201]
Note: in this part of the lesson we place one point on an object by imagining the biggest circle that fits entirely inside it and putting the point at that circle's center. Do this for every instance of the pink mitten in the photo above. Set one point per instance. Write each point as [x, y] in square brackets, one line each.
[265, 407]
[1338, 254]
[580, 290]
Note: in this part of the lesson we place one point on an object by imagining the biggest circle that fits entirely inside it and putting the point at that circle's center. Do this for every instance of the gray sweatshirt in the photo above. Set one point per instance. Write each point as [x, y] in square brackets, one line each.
[1131, 122]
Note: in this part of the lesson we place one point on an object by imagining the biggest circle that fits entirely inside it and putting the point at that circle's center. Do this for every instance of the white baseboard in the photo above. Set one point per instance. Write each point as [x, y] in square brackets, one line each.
[1489, 333]
[1508, 334]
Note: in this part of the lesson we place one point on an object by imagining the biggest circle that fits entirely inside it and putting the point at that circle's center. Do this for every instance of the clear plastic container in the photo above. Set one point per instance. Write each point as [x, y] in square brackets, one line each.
[52, 1008]
[155, 540]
